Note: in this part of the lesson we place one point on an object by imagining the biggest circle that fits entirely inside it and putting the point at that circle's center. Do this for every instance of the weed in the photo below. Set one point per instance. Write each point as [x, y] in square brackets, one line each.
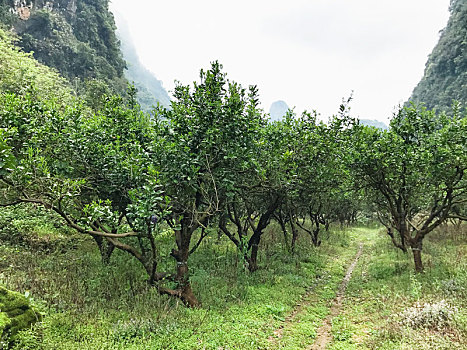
[341, 329]
[416, 287]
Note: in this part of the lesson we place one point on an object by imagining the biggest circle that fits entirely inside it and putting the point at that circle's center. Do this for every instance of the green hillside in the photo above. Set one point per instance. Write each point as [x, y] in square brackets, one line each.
[19, 71]
[76, 37]
[445, 77]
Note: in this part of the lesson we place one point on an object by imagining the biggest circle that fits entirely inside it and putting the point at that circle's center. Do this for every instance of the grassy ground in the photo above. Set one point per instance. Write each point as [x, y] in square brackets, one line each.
[91, 306]
[388, 307]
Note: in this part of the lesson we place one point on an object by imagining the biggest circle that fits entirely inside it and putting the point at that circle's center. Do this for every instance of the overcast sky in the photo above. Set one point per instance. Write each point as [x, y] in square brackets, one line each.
[309, 53]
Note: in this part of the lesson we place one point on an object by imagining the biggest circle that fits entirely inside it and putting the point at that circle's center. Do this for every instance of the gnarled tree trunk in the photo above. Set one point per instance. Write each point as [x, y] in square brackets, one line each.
[294, 231]
[184, 290]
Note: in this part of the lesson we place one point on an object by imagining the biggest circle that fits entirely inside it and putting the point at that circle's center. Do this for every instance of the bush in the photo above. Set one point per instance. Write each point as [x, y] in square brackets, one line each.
[16, 314]
[433, 316]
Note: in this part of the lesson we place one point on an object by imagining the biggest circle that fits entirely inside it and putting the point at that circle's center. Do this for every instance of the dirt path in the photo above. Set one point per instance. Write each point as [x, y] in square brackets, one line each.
[324, 336]
[297, 310]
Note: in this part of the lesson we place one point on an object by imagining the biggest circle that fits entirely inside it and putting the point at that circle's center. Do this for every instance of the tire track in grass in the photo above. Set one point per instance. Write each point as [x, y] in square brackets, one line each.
[297, 310]
[323, 336]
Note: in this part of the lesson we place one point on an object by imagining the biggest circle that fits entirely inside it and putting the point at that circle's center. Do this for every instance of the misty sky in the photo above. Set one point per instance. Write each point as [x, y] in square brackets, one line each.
[310, 54]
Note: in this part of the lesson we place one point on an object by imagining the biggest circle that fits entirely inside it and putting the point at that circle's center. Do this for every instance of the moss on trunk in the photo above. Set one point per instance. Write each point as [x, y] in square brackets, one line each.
[16, 314]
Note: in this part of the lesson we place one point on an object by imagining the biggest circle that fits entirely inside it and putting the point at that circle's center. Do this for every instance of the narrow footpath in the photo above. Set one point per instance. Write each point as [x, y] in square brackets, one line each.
[280, 337]
[323, 337]
[298, 309]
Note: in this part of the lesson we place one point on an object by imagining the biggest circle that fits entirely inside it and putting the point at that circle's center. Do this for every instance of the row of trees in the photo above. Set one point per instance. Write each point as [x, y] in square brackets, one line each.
[214, 161]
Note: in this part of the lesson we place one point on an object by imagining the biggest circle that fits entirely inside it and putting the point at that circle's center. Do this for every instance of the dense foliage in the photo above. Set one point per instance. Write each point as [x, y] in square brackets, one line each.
[19, 71]
[209, 201]
[445, 77]
[415, 173]
[212, 162]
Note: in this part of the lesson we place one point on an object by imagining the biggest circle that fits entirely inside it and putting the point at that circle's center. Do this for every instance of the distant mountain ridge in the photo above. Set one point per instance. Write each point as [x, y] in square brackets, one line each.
[375, 123]
[150, 89]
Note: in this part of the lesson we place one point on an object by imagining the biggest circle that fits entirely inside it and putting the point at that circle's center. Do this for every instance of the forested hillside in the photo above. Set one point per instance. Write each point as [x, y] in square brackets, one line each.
[78, 38]
[21, 73]
[445, 77]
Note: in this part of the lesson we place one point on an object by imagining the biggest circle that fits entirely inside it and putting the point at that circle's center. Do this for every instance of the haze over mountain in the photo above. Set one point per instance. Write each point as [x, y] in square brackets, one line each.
[375, 123]
[150, 90]
[310, 54]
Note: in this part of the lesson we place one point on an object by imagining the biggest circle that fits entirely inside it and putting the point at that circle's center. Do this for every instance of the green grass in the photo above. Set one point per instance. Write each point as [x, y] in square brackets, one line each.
[383, 286]
[302, 332]
[91, 306]
[87, 305]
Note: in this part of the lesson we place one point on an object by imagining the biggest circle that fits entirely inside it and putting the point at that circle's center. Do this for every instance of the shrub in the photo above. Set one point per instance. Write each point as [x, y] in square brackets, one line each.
[16, 314]
[434, 316]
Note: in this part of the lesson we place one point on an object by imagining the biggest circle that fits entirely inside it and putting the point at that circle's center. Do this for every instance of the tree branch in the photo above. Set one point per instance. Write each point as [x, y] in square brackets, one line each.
[73, 225]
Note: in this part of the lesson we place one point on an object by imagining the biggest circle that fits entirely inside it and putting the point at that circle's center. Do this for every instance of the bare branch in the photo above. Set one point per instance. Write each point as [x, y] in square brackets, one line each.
[196, 246]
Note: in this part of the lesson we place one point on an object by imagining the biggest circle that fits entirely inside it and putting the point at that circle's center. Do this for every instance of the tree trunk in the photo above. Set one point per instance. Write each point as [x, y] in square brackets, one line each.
[183, 239]
[400, 245]
[253, 260]
[282, 223]
[417, 258]
[263, 222]
[416, 246]
[184, 291]
[106, 248]
[316, 241]
[294, 232]
[314, 238]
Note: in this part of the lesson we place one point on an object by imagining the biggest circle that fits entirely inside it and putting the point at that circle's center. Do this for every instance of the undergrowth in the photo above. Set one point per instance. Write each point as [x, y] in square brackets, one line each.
[88, 305]
[389, 307]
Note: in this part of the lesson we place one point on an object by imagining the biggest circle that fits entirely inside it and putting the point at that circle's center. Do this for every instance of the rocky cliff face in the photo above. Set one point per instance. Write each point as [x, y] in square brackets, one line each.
[76, 37]
[23, 8]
